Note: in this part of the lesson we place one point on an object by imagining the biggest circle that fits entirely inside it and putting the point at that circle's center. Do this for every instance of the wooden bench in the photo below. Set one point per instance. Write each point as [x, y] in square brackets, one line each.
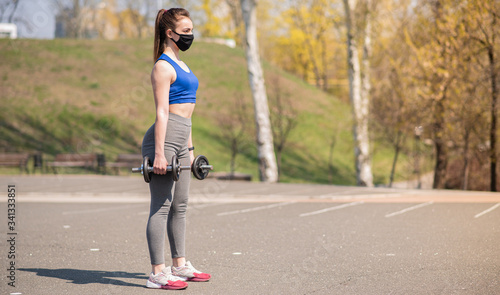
[125, 161]
[15, 160]
[88, 161]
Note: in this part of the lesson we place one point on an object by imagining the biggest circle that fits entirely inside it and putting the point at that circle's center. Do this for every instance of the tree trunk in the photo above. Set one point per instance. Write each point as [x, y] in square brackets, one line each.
[265, 148]
[330, 160]
[234, 153]
[441, 149]
[366, 170]
[278, 157]
[359, 103]
[465, 171]
[395, 160]
[75, 21]
[493, 129]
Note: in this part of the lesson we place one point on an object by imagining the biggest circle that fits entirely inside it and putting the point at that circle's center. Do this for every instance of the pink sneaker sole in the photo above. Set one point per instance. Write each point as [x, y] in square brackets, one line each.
[200, 277]
[172, 285]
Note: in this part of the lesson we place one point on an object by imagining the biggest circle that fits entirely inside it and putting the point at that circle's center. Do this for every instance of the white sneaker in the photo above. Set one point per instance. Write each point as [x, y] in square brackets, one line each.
[166, 280]
[189, 273]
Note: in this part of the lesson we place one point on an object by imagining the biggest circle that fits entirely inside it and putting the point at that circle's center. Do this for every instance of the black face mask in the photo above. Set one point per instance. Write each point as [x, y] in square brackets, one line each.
[184, 42]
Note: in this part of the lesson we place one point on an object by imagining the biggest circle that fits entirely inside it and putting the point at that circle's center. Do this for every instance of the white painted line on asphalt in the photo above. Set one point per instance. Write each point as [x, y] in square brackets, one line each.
[331, 209]
[256, 208]
[409, 209]
[487, 211]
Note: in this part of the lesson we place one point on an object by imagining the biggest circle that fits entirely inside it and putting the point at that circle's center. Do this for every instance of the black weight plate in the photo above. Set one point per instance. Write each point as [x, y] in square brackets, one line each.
[194, 165]
[176, 171]
[198, 172]
[145, 169]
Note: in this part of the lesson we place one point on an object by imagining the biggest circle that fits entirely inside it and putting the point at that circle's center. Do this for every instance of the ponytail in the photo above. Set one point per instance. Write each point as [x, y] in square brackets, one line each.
[159, 42]
[165, 19]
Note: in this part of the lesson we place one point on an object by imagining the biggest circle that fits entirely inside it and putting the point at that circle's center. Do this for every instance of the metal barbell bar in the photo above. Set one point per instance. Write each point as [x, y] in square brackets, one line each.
[200, 168]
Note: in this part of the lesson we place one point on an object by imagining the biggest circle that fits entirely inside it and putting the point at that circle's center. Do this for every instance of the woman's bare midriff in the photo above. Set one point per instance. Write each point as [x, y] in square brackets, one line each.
[182, 109]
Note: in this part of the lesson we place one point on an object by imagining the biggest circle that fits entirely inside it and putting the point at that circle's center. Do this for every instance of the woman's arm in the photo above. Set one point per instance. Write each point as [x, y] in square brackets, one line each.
[161, 78]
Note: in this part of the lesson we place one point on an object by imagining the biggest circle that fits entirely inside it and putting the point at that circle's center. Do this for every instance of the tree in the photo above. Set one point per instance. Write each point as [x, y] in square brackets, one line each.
[436, 44]
[69, 17]
[313, 20]
[15, 4]
[237, 26]
[392, 98]
[359, 85]
[107, 22]
[131, 23]
[305, 44]
[265, 147]
[482, 23]
[394, 108]
[467, 114]
[77, 19]
[234, 128]
[138, 20]
[283, 118]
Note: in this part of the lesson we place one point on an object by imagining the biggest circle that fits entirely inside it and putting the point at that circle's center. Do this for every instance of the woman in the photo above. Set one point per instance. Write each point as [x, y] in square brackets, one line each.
[174, 89]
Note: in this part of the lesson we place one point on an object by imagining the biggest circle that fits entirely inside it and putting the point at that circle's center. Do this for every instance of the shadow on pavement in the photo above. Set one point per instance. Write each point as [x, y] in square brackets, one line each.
[79, 276]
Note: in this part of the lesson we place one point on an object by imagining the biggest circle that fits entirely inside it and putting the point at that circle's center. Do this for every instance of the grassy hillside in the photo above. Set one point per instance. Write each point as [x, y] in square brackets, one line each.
[95, 96]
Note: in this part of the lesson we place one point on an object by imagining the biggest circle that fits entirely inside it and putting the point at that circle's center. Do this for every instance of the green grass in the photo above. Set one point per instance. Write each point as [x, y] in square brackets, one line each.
[95, 96]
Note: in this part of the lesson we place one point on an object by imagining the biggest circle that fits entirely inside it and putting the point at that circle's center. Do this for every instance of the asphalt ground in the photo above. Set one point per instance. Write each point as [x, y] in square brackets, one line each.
[86, 235]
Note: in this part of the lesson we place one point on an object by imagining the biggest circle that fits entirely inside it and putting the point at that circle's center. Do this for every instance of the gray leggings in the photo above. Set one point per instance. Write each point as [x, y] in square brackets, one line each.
[168, 199]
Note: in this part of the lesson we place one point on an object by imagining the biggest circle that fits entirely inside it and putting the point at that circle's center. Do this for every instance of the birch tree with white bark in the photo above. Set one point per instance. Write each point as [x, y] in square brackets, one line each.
[267, 159]
[359, 85]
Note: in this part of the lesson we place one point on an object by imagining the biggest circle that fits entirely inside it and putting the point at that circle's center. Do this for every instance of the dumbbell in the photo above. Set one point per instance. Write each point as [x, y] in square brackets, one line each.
[200, 168]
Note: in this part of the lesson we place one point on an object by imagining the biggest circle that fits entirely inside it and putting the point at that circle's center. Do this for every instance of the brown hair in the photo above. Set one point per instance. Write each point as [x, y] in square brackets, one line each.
[166, 19]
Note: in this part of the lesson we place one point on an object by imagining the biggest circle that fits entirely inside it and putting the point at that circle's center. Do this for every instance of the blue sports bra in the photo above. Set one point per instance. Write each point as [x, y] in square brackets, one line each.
[183, 90]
